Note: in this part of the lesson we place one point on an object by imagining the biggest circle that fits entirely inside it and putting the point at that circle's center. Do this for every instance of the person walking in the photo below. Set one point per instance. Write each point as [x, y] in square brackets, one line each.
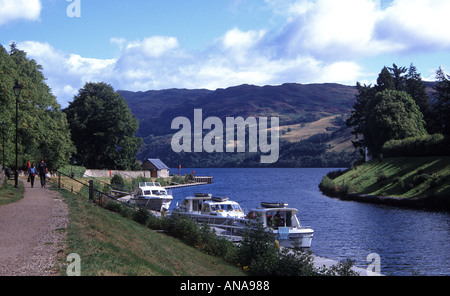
[42, 169]
[32, 171]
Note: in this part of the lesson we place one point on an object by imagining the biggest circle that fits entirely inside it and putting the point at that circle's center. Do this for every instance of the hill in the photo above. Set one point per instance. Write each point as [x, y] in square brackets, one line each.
[422, 182]
[293, 103]
[309, 111]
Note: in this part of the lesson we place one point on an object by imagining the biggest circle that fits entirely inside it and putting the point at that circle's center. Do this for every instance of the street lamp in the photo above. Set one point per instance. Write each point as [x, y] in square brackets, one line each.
[17, 89]
[3, 143]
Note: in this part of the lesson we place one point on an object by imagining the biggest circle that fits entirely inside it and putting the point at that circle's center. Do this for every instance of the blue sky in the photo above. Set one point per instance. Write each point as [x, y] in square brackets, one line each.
[140, 45]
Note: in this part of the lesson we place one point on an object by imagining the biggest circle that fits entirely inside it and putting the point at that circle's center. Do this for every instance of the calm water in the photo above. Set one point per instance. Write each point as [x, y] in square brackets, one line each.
[410, 242]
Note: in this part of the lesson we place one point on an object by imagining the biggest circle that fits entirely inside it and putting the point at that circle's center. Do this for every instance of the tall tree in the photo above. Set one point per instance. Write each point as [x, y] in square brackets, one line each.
[385, 80]
[359, 115]
[43, 131]
[442, 106]
[398, 77]
[103, 128]
[393, 116]
[387, 111]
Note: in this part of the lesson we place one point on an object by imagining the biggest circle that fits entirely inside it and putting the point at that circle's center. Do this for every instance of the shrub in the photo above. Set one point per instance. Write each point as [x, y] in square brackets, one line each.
[381, 176]
[334, 174]
[429, 145]
[420, 179]
[328, 186]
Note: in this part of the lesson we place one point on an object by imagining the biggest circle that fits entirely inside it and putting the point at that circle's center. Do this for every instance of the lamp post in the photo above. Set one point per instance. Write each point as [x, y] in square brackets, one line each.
[17, 89]
[3, 143]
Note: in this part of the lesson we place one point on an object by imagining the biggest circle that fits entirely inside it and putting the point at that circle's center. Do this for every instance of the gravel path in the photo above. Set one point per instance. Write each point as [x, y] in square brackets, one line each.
[32, 233]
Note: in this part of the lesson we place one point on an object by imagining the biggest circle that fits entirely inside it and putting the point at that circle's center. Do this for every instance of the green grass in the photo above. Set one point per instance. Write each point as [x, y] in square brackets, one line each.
[109, 244]
[412, 177]
[10, 194]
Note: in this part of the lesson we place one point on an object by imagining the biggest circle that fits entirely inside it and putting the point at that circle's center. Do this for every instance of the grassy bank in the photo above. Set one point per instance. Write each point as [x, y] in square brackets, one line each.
[420, 181]
[109, 244]
[10, 194]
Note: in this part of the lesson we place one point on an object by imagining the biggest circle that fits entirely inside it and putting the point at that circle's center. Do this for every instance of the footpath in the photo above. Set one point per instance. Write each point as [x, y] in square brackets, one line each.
[32, 232]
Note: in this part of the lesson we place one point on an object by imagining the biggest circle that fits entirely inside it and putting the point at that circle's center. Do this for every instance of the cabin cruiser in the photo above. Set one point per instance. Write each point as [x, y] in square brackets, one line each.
[152, 196]
[203, 207]
[283, 223]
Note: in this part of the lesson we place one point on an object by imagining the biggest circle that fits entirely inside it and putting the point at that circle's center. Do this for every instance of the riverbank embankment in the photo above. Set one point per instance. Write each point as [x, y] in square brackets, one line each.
[413, 182]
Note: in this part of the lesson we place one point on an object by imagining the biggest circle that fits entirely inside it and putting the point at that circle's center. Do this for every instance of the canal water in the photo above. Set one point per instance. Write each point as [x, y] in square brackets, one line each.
[409, 242]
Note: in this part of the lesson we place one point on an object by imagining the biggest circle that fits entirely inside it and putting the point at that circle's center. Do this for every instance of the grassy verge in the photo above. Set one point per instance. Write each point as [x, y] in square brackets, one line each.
[409, 178]
[109, 244]
[10, 194]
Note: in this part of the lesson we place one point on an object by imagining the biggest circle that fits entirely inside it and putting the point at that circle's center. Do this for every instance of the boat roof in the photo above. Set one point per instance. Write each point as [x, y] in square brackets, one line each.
[274, 210]
[150, 184]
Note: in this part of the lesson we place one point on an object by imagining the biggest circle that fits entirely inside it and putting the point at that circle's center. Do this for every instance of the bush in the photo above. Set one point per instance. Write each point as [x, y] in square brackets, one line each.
[328, 186]
[334, 174]
[381, 176]
[420, 179]
[430, 145]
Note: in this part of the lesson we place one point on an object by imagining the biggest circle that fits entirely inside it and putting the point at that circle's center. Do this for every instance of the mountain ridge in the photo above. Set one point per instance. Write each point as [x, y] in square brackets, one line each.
[292, 102]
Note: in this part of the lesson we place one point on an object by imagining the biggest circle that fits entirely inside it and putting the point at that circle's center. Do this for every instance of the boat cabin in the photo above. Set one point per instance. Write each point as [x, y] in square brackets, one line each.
[206, 204]
[275, 217]
[150, 189]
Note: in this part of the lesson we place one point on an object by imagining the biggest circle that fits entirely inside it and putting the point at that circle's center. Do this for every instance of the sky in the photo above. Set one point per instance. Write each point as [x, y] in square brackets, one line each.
[141, 45]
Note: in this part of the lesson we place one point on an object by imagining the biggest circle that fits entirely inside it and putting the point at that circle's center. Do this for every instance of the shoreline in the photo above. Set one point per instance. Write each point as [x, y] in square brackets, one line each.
[426, 203]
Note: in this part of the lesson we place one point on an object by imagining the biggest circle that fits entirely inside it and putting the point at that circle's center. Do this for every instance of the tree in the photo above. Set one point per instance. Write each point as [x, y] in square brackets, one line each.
[360, 112]
[103, 128]
[385, 80]
[442, 106]
[389, 110]
[43, 131]
[394, 116]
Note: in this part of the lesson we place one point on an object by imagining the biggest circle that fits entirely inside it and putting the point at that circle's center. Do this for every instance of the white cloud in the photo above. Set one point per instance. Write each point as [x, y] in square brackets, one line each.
[416, 24]
[321, 41]
[351, 29]
[12, 10]
[66, 73]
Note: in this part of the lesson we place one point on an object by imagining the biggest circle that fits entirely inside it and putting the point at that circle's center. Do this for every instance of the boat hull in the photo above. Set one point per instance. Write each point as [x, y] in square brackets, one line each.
[301, 238]
[154, 204]
[209, 219]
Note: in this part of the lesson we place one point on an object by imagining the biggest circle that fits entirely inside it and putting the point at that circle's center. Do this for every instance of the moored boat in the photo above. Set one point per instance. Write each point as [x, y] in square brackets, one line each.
[210, 209]
[152, 196]
[283, 223]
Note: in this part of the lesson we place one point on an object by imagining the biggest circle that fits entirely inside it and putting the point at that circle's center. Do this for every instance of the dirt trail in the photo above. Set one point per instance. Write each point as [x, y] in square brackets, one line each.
[32, 232]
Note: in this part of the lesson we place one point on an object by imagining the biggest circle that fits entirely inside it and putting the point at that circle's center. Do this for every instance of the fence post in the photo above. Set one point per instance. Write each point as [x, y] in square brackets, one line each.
[91, 190]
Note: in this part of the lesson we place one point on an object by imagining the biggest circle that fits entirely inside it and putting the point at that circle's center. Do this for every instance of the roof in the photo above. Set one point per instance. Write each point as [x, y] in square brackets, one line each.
[158, 164]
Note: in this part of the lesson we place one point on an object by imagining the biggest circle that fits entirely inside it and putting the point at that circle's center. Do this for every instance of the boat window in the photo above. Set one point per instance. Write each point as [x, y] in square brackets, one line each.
[252, 215]
[278, 219]
[197, 204]
[205, 208]
[147, 192]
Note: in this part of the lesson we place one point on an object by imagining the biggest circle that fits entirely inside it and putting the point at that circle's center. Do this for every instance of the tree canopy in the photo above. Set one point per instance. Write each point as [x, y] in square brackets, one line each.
[43, 131]
[391, 110]
[103, 128]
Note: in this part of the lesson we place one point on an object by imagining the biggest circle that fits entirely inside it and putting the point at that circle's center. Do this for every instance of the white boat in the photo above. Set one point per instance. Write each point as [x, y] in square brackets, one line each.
[152, 196]
[283, 223]
[203, 207]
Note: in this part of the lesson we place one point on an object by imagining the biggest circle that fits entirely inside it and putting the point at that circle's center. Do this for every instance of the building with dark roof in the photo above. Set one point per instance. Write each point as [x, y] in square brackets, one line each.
[156, 167]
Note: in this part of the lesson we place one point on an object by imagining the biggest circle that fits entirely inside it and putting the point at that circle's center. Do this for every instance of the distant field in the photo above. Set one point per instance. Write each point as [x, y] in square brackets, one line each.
[302, 131]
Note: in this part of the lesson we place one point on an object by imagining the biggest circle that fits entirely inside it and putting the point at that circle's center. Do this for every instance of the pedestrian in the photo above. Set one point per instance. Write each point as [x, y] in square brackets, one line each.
[32, 171]
[42, 169]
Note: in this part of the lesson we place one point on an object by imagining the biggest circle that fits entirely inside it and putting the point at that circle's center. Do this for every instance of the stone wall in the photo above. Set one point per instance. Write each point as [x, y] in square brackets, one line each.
[111, 173]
